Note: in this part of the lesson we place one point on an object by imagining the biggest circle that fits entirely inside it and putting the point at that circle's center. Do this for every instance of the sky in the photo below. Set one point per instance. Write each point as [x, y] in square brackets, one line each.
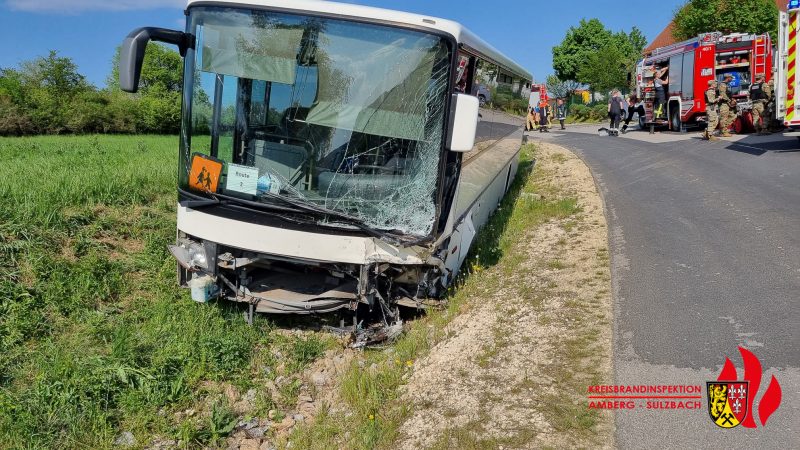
[88, 31]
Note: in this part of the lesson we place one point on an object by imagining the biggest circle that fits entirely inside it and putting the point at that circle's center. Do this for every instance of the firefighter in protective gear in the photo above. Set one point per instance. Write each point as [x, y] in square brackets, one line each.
[726, 116]
[759, 99]
[531, 122]
[769, 113]
[711, 111]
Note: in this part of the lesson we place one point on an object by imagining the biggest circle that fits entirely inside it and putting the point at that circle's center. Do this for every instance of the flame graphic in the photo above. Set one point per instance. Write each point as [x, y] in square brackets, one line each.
[770, 401]
[728, 371]
[753, 372]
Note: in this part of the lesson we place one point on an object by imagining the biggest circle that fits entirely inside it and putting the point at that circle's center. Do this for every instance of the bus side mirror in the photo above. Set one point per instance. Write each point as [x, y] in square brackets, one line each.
[463, 123]
[131, 54]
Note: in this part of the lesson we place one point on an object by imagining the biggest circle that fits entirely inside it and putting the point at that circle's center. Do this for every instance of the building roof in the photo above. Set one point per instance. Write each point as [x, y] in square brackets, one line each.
[455, 29]
[663, 39]
[666, 38]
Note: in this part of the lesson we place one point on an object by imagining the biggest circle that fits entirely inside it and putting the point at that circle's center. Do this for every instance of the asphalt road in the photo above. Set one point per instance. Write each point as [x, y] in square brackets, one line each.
[705, 245]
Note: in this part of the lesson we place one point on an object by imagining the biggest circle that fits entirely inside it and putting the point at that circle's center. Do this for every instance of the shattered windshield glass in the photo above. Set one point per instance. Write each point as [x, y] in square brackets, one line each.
[341, 115]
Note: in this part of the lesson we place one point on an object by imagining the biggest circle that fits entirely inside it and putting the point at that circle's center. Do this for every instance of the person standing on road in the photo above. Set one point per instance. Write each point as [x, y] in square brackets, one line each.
[726, 116]
[759, 99]
[543, 112]
[561, 112]
[711, 111]
[615, 109]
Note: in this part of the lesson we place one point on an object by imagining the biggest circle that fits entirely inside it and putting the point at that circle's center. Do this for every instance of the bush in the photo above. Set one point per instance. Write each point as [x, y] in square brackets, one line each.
[504, 98]
[13, 121]
[599, 111]
[581, 112]
[47, 95]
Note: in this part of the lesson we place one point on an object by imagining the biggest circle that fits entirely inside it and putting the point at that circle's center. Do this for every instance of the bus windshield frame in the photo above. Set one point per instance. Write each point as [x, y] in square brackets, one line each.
[342, 116]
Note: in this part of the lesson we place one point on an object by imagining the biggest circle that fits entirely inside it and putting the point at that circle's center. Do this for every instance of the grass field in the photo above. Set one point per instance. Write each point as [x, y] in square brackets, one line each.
[97, 339]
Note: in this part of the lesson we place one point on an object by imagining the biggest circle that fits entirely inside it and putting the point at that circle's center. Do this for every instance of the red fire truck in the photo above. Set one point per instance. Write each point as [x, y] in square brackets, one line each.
[691, 64]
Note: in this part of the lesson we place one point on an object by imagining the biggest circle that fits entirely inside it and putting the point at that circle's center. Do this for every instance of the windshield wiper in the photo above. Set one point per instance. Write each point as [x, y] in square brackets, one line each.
[221, 199]
[196, 204]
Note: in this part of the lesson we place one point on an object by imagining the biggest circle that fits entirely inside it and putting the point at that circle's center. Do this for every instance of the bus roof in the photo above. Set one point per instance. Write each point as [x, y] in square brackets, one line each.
[458, 31]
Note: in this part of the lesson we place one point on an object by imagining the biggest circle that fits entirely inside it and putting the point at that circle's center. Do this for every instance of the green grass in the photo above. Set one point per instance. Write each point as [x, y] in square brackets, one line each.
[96, 336]
[372, 394]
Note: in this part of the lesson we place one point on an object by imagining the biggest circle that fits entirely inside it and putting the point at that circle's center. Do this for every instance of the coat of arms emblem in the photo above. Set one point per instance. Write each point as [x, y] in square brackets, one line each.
[727, 402]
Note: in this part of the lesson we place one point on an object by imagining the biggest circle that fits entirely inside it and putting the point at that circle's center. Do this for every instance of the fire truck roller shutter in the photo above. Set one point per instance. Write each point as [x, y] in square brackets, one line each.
[675, 76]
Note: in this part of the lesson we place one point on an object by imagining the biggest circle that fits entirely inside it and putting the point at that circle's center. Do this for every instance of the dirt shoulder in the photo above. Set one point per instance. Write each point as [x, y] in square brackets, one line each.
[513, 370]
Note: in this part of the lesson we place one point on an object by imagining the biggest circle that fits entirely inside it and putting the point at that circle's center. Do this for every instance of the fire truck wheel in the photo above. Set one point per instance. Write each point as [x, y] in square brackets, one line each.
[674, 119]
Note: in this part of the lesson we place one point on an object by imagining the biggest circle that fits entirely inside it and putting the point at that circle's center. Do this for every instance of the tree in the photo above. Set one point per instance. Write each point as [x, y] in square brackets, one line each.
[50, 84]
[638, 40]
[158, 103]
[54, 73]
[561, 88]
[579, 56]
[162, 70]
[606, 69]
[11, 85]
[579, 43]
[742, 16]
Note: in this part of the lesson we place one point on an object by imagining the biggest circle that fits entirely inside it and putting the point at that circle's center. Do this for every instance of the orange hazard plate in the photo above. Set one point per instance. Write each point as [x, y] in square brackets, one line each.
[204, 173]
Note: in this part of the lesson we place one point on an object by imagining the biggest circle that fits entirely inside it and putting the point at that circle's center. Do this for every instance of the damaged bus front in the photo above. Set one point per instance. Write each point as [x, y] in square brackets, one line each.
[318, 158]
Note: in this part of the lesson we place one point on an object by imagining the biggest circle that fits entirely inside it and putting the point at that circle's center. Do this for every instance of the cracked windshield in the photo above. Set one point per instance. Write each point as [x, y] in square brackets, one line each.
[341, 116]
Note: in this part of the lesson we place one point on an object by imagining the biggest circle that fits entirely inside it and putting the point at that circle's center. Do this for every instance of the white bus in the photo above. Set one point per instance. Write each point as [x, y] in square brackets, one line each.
[333, 156]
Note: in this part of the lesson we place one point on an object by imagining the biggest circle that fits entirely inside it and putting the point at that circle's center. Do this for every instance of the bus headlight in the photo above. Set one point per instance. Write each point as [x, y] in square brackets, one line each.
[191, 255]
[197, 256]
